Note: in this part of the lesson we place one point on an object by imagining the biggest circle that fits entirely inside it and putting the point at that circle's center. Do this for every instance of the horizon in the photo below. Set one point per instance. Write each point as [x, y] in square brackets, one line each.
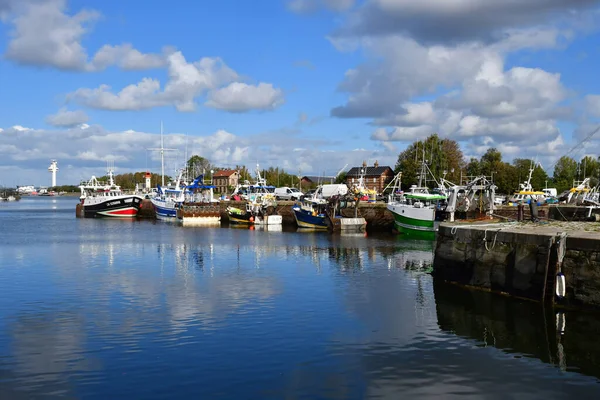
[304, 85]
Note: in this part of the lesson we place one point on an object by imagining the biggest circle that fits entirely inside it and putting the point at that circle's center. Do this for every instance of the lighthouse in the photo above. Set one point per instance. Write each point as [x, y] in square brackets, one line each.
[148, 176]
[53, 168]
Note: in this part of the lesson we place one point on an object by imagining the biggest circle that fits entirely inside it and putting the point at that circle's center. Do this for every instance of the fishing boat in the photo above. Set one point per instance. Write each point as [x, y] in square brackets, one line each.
[526, 194]
[311, 213]
[259, 208]
[415, 211]
[199, 206]
[166, 200]
[100, 199]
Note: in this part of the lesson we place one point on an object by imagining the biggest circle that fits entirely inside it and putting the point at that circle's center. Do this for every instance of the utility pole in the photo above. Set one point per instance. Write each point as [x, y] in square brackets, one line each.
[162, 154]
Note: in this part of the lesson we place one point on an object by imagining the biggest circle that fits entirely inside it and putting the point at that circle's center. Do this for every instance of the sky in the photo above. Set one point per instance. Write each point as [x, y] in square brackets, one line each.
[312, 86]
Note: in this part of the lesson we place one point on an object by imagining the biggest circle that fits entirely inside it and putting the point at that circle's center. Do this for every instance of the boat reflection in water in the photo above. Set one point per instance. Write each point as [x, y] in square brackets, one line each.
[165, 312]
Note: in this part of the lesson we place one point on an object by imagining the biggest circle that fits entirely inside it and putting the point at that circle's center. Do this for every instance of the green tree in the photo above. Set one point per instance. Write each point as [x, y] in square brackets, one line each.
[538, 177]
[341, 178]
[441, 155]
[198, 165]
[565, 172]
[473, 168]
[490, 162]
[589, 167]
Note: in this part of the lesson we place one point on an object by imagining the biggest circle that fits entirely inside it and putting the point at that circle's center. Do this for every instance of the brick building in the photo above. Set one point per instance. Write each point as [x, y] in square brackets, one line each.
[225, 179]
[375, 177]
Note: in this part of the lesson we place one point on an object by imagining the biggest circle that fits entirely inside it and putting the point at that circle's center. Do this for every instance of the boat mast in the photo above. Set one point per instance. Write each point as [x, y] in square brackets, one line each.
[162, 154]
[423, 172]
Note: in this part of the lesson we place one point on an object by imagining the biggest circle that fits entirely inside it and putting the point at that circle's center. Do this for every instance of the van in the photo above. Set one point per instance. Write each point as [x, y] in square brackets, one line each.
[326, 191]
[287, 193]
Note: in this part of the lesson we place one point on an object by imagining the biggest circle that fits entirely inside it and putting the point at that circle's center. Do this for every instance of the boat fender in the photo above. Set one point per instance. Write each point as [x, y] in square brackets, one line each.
[251, 219]
[560, 322]
[560, 285]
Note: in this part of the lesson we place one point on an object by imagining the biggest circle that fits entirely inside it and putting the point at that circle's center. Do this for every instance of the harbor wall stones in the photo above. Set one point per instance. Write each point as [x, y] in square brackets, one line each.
[520, 262]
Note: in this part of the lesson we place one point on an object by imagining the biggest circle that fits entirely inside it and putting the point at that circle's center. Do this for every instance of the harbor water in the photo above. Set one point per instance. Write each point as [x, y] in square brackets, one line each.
[121, 309]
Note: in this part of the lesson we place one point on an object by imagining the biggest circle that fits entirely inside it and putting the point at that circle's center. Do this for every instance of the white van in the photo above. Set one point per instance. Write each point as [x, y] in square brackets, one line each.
[326, 191]
[287, 193]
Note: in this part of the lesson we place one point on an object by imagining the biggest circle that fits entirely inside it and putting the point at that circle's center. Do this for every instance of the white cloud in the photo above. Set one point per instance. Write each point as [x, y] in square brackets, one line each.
[459, 70]
[44, 34]
[125, 57]
[67, 118]
[26, 152]
[240, 97]
[187, 81]
[592, 104]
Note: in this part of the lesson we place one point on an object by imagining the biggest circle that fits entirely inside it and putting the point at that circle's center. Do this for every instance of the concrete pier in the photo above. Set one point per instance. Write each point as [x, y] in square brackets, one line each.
[523, 259]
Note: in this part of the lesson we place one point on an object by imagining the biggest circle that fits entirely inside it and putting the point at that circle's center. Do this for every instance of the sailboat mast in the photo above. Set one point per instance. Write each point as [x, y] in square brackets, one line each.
[162, 155]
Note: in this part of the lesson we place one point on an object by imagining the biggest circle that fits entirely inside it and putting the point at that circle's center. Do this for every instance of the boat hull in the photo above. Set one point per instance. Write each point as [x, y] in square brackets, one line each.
[123, 207]
[164, 210]
[199, 214]
[305, 219]
[236, 216]
[415, 222]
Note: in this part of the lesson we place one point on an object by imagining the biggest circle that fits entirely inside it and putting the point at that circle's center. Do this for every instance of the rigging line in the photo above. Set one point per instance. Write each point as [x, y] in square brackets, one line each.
[578, 145]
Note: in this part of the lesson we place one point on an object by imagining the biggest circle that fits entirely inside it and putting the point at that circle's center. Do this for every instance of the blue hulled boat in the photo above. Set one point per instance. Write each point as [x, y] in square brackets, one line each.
[167, 201]
[310, 214]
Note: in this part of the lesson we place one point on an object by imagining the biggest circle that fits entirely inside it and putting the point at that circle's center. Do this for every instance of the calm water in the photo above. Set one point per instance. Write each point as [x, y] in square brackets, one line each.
[102, 309]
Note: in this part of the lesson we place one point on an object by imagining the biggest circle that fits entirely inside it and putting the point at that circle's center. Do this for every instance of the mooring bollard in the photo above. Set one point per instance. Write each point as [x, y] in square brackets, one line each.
[520, 212]
[533, 209]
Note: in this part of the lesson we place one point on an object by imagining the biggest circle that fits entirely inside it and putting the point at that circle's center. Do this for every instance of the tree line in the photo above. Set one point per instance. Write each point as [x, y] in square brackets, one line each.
[445, 159]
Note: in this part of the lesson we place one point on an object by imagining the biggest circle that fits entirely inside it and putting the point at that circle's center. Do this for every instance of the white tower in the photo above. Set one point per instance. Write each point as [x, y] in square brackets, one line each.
[148, 176]
[53, 168]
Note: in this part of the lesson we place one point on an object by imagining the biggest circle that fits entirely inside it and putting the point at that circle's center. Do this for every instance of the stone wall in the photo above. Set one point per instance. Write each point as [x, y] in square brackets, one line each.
[519, 262]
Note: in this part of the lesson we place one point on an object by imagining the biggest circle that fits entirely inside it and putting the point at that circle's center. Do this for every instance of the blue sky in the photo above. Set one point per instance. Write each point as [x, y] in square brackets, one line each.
[309, 85]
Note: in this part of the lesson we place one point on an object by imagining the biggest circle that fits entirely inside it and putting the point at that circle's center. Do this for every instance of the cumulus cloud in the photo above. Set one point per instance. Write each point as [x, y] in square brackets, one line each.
[408, 69]
[66, 118]
[26, 152]
[432, 67]
[592, 104]
[187, 81]
[454, 21]
[309, 6]
[240, 97]
[125, 57]
[44, 34]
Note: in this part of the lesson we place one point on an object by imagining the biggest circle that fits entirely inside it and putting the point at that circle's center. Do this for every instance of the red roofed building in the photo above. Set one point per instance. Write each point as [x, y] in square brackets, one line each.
[224, 179]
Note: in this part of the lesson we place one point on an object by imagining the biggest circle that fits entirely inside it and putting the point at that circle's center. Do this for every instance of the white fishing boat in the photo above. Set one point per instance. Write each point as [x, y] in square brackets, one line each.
[415, 211]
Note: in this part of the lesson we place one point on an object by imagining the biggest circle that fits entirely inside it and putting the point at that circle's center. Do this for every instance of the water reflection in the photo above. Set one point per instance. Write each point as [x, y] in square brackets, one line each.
[565, 340]
[143, 310]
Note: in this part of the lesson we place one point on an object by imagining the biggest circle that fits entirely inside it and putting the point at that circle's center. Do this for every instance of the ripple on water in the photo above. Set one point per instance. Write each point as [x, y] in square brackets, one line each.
[124, 309]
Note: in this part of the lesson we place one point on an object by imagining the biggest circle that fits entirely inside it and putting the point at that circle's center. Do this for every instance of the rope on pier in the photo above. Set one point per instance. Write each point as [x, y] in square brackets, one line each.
[485, 242]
